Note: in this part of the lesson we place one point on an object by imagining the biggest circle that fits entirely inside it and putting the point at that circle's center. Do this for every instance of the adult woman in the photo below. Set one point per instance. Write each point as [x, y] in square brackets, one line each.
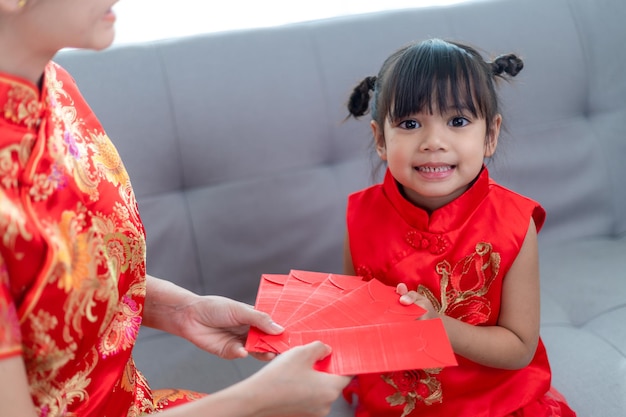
[73, 285]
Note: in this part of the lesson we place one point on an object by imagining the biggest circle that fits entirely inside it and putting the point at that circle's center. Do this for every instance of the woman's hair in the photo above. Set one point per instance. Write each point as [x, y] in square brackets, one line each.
[433, 75]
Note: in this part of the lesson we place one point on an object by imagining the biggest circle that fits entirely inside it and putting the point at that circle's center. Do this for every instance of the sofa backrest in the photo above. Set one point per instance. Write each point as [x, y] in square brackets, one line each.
[242, 163]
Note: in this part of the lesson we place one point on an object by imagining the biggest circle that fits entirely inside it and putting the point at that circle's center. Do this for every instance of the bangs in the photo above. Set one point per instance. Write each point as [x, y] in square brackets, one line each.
[438, 77]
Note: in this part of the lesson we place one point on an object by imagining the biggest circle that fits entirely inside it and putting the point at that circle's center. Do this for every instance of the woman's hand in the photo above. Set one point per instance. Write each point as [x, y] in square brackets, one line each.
[413, 297]
[289, 386]
[220, 326]
[286, 387]
[215, 324]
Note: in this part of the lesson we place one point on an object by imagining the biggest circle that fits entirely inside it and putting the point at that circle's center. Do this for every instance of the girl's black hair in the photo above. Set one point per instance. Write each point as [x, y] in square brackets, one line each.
[433, 75]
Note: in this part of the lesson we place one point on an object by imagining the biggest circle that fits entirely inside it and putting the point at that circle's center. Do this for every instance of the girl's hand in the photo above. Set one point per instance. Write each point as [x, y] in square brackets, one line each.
[413, 297]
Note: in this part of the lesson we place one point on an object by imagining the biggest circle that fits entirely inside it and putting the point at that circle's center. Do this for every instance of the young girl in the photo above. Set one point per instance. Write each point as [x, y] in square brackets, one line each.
[451, 239]
[73, 283]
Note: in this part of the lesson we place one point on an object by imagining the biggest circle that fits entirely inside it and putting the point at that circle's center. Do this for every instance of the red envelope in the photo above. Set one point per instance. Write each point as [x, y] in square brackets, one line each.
[297, 288]
[385, 347]
[364, 322]
[270, 288]
[368, 304]
[332, 288]
[259, 341]
[372, 303]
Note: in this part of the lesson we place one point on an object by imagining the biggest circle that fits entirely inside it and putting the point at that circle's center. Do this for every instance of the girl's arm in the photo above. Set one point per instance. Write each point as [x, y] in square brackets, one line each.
[511, 344]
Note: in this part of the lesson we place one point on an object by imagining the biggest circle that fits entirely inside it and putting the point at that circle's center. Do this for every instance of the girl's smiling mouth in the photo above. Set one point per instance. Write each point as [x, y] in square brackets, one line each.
[435, 172]
[434, 169]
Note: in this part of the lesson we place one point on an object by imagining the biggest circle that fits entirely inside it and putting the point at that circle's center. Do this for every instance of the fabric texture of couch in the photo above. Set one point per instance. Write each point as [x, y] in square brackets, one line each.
[242, 163]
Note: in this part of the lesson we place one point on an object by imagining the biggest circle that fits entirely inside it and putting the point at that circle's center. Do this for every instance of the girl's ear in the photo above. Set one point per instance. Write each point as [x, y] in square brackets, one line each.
[379, 140]
[492, 136]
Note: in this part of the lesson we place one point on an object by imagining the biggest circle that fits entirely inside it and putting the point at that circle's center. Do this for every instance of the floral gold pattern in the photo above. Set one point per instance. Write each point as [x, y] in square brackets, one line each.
[413, 386]
[462, 287]
[73, 283]
[22, 106]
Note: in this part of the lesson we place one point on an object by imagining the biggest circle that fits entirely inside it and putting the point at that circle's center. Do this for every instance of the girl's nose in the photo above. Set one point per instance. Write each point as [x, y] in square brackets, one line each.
[432, 141]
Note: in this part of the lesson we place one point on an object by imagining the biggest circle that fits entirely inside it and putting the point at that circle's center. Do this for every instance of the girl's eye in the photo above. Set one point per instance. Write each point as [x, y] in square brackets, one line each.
[409, 124]
[459, 121]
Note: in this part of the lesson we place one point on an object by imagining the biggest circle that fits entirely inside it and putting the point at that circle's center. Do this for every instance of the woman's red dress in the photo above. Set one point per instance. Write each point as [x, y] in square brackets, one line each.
[72, 255]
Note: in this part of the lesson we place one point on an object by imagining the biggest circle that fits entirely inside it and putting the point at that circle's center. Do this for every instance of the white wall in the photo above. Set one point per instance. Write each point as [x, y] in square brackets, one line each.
[141, 20]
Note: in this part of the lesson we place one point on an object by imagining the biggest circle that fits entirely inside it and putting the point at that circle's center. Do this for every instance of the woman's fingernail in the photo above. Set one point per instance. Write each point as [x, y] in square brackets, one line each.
[277, 326]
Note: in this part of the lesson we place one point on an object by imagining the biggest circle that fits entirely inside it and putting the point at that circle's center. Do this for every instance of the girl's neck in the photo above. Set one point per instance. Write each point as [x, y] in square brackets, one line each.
[429, 204]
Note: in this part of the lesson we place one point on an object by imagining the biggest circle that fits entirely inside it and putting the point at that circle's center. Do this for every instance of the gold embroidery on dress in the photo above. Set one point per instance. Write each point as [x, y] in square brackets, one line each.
[45, 362]
[13, 158]
[90, 250]
[163, 397]
[23, 106]
[107, 160]
[122, 332]
[12, 224]
[55, 396]
[464, 285]
[13, 218]
[418, 385]
[462, 296]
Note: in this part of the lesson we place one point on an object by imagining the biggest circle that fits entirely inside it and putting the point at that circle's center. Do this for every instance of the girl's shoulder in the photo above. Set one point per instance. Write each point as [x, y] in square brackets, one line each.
[510, 202]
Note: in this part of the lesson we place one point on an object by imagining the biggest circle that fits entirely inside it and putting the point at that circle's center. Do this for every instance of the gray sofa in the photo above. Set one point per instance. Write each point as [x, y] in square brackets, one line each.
[242, 163]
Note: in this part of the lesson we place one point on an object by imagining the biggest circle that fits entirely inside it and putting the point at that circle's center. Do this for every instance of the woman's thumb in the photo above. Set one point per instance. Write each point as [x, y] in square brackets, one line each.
[315, 351]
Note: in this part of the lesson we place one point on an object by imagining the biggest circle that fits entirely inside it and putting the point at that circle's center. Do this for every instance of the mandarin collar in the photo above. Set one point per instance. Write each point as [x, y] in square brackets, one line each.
[449, 217]
[21, 101]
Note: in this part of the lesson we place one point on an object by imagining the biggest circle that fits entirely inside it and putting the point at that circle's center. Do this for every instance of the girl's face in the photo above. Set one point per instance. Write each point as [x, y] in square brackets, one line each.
[435, 157]
[47, 26]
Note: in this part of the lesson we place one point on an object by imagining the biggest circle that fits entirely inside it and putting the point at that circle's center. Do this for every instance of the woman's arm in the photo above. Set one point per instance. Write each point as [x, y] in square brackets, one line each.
[15, 400]
[512, 343]
[216, 324]
[287, 386]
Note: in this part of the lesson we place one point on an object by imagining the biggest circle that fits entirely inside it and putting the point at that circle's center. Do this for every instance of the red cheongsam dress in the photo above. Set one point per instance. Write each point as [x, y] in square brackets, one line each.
[457, 256]
[72, 255]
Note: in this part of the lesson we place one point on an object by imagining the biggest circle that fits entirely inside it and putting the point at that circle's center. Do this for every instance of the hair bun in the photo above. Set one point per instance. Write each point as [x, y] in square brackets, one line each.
[510, 64]
[358, 103]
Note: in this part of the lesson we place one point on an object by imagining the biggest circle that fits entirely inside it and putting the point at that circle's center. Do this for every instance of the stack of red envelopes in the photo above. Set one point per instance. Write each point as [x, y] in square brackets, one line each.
[363, 321]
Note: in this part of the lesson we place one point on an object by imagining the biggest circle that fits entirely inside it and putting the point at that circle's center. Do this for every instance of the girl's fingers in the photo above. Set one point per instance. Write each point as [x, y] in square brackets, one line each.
[402, 289]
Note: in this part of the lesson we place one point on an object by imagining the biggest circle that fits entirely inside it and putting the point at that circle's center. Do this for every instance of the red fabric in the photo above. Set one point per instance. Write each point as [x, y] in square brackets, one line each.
[72, 257]
[457, 256]
[168, 398]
